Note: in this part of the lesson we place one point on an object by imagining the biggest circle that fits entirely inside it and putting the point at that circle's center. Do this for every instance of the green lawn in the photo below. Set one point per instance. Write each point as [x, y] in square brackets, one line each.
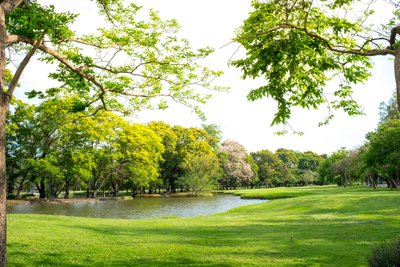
[314, 227]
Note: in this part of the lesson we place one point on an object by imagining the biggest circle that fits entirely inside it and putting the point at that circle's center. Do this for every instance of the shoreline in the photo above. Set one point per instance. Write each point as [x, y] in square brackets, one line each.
[36, 201]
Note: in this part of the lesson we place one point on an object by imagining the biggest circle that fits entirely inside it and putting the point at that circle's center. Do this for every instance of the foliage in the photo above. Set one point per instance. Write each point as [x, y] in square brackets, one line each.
[385, 254]
[299, 46]
[332, 168]
[269, 167]
[201, 172]
[81, 150]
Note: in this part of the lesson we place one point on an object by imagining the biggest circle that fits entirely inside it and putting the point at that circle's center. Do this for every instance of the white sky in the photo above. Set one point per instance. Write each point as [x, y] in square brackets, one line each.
[212, 23]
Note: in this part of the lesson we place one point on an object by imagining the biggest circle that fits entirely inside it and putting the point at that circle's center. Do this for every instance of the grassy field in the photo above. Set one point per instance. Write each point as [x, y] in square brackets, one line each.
[313, 227]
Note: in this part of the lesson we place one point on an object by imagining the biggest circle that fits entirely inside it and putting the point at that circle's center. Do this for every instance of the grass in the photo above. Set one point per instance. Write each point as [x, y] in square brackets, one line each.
[316, 226]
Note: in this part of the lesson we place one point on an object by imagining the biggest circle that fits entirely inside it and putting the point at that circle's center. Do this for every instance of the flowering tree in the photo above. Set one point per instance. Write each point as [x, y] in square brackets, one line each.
[236, 164]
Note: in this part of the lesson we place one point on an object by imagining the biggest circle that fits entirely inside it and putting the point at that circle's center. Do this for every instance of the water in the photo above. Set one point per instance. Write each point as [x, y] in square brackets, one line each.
[140, 207]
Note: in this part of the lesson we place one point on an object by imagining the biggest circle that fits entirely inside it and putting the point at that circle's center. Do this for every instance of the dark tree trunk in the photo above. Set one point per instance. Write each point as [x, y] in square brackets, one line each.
[66, 196]
[115, 189]
[42, 189]
[392, 183]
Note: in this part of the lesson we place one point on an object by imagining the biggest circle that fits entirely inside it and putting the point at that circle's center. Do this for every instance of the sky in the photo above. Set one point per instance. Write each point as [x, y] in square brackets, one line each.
[212, 23]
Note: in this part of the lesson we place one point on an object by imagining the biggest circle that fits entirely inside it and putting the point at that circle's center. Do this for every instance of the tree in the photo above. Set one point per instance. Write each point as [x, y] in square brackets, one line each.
[19, 146]
[201, 170]
[329, 169]
[297, 46]
[269, 167]
[290, 162]
[235, 163]
[384, 153]
[307, 166]
[156, 64]
[333, 168]
[169, 140]
[141, 151]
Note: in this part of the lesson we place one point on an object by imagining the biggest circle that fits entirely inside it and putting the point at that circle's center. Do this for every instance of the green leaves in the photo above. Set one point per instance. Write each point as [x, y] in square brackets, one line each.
[32, 19]
[299, 48]
[133, 62]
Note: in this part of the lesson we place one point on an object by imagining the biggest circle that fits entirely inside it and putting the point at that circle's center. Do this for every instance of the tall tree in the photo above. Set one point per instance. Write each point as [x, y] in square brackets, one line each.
[156, 66]
[297, 46]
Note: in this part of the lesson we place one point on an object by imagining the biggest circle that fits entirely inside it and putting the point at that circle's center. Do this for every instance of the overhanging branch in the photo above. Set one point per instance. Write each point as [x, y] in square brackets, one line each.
[18, 38]
[21, 67]
[368, 53]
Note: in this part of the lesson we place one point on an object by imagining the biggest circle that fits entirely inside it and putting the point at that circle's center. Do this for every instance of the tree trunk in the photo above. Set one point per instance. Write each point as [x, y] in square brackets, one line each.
[66, 196]
[397, 76]
[115, 189]
[4, 101]
[94, 192]
[42, 189]
[3, 176]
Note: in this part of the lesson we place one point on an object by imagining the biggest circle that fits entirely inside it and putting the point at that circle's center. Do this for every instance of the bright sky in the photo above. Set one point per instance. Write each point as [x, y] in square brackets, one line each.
[212, 23]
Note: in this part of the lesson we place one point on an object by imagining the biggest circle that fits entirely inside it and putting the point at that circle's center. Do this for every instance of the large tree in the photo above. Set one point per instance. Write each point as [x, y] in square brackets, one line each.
[127, 65]
[300, 45]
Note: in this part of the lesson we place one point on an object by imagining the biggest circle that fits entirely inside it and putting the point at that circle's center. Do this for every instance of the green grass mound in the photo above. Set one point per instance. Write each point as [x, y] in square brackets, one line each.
[315, 227]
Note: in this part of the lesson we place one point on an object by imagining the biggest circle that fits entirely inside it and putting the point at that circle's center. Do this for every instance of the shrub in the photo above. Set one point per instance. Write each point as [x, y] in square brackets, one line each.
[386, 254]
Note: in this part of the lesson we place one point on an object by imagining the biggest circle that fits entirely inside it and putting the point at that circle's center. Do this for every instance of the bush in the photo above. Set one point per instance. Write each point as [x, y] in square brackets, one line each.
[386, 254]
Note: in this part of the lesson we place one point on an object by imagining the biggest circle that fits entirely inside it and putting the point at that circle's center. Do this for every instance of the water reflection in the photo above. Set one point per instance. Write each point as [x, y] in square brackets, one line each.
[140, 207]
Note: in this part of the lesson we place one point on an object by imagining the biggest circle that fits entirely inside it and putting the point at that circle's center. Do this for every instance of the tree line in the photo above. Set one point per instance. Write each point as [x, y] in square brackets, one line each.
[376, 161]
[56, 147]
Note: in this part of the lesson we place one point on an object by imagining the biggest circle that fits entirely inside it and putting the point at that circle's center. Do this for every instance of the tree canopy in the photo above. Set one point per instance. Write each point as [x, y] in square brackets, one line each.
[299, 46]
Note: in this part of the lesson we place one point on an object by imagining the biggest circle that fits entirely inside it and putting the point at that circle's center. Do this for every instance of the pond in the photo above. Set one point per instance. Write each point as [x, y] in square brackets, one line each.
[138, 208]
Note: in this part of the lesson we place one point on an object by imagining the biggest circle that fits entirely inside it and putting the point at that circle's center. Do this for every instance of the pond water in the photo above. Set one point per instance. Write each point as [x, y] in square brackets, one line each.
[140, 207]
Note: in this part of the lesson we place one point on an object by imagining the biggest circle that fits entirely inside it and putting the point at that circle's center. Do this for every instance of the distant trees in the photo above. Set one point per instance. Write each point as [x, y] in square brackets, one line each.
[287, 167]
[55, 147]
[79, 150]
[269, 166]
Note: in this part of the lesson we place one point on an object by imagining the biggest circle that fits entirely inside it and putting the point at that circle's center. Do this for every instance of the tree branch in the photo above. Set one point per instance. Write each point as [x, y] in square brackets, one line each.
[18, 38]
[393, 33]
[24, 63]
[9, 5]
[372, 52]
